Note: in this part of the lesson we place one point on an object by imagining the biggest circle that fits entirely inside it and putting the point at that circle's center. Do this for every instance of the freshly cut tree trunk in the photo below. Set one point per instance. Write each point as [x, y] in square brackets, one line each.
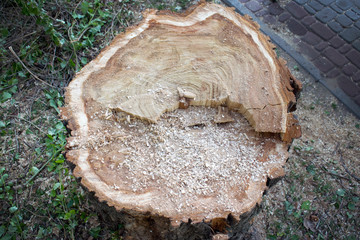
[184, 116]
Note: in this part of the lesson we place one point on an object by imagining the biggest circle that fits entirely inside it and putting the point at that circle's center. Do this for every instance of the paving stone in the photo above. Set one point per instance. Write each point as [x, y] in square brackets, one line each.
[356, 77]
[344, 20]
[261, 13]
[348, 86]
[336, 8]
[244, 1]
[321, 46]
[284, 16]
[344, 49]
[349, 69]
[309, 9]
[337, 42]
[325, 15]
[308, 20]
[335, 57]
[333, 73]
[357, 24]
[275, 9]
[350, 34]
[301, 2]
[296, 10]
[322, 31]
[311, 38]
[357, 100]
[354, 57]
[356, 44]
[266, 2]
[296, 27]
[253, 5]
[269, 19]
[335, 26]
[323, 64]
[344, 4]
[326, 2]
[308, 50]
[352, 15]
[315, 5]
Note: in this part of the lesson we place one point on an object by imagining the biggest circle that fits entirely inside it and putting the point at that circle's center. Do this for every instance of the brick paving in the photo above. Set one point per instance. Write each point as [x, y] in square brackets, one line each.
[327, 32]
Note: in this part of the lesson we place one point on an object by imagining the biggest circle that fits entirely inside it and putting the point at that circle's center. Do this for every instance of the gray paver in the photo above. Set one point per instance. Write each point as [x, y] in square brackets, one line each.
[321, 46]
[350, 34]
[309, 9]
[356, 44]
[337, 42]
[344, 4]
[253, 6]
[322, 31]
[349, 69]
[311, 38]
[296, 27]
[315, 5]
[326, 2]
[336, 8]
[334, 56]
[344, 20]
[297, 11]
[344, 49]
[352, 15]
[357, 24]
[348, 86]
[308, 20]
[325, 15]
[323, 64]
[275, 9]
[354, 57]
[333, 73]
[335, 26]
[284, 16]
[301, 2]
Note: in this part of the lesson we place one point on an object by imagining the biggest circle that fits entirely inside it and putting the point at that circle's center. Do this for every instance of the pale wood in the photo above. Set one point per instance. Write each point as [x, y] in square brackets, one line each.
[207, 57]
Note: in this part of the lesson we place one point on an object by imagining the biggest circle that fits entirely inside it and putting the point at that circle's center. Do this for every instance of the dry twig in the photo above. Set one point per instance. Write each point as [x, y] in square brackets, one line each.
[32, 74]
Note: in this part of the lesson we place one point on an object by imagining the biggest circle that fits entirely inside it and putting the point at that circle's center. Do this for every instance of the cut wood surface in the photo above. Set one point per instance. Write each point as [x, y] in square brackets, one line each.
[184, 115]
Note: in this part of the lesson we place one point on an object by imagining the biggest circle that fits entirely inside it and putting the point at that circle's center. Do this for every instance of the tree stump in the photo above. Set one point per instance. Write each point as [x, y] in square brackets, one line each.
[184, 116]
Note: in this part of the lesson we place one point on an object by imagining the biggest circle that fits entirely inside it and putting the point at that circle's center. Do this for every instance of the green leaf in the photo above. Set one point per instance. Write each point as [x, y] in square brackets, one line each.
[5, 96]
[13, 209]
[34, 170]
[2, 230]
[53, 104]
[56, 185]
[2, 124]
[63, 64]
[84, 60]
[351, 206]
[305, 205]
[340, 192]
[84, 7]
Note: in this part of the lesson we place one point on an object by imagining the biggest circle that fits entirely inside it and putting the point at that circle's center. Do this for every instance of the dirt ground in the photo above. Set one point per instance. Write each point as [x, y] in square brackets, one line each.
[40, 199]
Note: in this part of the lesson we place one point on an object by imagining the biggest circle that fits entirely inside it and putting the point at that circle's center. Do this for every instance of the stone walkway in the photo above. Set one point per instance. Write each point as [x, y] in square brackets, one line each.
[326, 32]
